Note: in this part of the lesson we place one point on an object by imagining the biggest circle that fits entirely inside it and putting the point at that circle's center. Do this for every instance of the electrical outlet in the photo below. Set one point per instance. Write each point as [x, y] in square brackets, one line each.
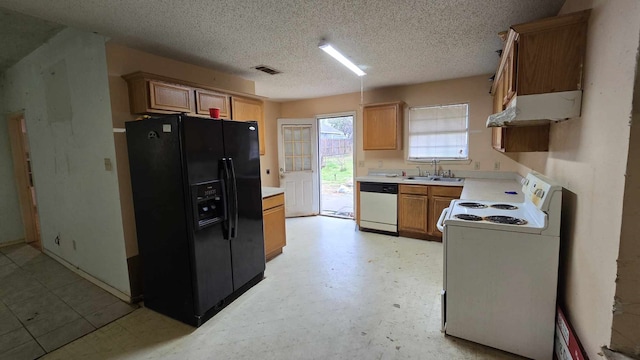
[379, 163]
[107, 164]
[476, 165]
[496, 165]
[361, 163]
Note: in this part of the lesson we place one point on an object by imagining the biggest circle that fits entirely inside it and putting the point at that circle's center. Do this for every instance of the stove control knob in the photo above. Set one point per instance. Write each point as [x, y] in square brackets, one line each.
[539, 193]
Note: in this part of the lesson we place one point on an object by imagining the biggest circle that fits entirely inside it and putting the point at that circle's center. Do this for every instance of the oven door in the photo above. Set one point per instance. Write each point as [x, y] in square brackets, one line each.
[443, 294]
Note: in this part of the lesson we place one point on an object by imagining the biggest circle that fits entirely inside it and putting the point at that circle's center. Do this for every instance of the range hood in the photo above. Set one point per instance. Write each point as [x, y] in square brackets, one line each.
[538, 109]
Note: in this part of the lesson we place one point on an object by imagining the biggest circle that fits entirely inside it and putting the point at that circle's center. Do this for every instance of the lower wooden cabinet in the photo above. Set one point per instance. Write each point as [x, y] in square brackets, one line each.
[419, 208]
[439, 199]
[275, 235]
[413, 210]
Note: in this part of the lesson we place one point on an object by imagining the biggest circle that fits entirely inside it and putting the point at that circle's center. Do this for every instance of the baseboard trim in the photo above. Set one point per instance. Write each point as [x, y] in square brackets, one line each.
[106, 287]
[12, 242]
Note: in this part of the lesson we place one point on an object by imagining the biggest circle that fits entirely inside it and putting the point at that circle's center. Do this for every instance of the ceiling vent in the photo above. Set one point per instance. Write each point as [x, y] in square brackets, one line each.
[268, 70]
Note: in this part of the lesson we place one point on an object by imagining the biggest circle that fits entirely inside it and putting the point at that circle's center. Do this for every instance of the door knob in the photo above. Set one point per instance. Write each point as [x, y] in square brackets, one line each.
[281, 173]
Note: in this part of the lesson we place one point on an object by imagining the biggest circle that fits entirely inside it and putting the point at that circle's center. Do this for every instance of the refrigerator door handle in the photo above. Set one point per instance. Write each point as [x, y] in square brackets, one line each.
[234, 214]
[227, 181]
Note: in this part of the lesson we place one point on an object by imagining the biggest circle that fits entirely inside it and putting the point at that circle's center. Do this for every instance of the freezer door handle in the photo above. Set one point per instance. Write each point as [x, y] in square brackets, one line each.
[234, 199]
[227, 191]
[440, 223]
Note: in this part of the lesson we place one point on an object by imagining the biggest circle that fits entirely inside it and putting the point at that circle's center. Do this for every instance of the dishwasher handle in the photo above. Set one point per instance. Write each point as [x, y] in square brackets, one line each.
[440, 223]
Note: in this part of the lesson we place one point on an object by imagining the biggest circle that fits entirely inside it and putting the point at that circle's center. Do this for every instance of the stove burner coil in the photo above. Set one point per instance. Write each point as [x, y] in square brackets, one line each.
[504, 206]
[468, 217]
[472, 205]
[499, 219]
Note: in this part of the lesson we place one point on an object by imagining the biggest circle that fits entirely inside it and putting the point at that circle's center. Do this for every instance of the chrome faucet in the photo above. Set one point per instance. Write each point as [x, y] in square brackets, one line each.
[435, 166]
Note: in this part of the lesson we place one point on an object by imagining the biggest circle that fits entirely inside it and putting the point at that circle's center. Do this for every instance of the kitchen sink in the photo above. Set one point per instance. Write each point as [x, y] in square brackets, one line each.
[433, 178]
[419, 178]
[446, 179]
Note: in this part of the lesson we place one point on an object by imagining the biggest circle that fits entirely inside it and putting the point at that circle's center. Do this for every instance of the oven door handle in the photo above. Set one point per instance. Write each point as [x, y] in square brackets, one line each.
[440, 223]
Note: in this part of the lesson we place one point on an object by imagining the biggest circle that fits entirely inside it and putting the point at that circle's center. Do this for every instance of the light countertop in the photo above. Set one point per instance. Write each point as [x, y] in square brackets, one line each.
[271, 191]
[472, 188]
[492, 190]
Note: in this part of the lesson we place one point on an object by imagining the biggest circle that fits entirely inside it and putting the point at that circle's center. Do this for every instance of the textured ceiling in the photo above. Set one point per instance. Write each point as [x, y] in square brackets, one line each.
[395, 42]
[21, 34]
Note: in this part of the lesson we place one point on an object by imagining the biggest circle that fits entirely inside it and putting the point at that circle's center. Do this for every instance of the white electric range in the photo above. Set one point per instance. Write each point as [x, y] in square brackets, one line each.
[501, 269]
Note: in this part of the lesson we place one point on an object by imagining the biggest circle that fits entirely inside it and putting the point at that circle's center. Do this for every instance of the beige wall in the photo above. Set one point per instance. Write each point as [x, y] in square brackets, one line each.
[472, 90]
[269, 161]
[62, 89]
[122, 60]
[588, 156]
[626, 317]
[625, 336]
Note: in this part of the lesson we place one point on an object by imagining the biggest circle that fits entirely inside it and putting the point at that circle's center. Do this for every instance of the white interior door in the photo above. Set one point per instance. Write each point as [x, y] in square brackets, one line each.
[298, 166]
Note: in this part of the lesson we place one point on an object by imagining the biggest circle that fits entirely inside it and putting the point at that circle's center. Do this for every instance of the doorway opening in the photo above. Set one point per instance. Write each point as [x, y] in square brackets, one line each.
[335, 145]
[24, 179]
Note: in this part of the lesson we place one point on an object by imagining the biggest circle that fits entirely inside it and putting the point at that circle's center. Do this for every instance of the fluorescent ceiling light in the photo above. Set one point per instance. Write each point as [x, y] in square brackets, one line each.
[338, 56]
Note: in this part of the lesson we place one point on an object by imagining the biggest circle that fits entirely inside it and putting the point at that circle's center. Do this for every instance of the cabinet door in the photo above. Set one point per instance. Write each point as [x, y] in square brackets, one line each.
[436, 205]
[274, 231]
[381, 127]
[412, 214]
[243, 109]
[170, 97]
[497, 138]
[209, 99]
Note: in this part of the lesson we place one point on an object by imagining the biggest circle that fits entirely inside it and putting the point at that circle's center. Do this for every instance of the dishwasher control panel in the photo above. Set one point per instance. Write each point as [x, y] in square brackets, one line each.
[375, 187]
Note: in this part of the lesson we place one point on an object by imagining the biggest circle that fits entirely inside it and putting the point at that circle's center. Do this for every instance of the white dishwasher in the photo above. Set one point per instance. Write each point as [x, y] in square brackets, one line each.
[379, 207]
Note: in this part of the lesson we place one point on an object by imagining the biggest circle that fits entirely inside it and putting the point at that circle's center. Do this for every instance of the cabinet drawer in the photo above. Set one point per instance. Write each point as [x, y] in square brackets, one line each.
[170, 97]
[272, 201]
[414, 189]
[209, 99]
[452, 191]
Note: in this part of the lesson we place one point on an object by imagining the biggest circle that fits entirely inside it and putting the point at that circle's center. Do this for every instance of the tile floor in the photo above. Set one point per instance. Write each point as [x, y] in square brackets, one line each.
[335, 293]
[44, 305]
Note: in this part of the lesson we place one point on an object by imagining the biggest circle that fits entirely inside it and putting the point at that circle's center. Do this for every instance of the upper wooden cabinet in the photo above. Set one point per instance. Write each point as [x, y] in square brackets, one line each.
[521, 138]
[155, 94]
[543, 56]
[170, 97]
[245, 109]
[382, 126]
[539, 57]
[209, 99]
[151, 96]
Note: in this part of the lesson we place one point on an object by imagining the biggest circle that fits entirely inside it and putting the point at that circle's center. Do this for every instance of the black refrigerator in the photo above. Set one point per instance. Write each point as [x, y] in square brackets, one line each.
[198, 209]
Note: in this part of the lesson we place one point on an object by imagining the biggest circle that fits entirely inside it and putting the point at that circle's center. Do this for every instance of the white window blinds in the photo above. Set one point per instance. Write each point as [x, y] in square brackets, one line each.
[439, 132]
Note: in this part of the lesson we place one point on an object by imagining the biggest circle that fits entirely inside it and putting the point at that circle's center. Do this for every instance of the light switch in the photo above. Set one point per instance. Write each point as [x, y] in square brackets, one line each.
[107, 164]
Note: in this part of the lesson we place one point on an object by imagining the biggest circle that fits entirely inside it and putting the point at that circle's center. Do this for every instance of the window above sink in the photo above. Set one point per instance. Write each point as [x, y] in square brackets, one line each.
[438, 133]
